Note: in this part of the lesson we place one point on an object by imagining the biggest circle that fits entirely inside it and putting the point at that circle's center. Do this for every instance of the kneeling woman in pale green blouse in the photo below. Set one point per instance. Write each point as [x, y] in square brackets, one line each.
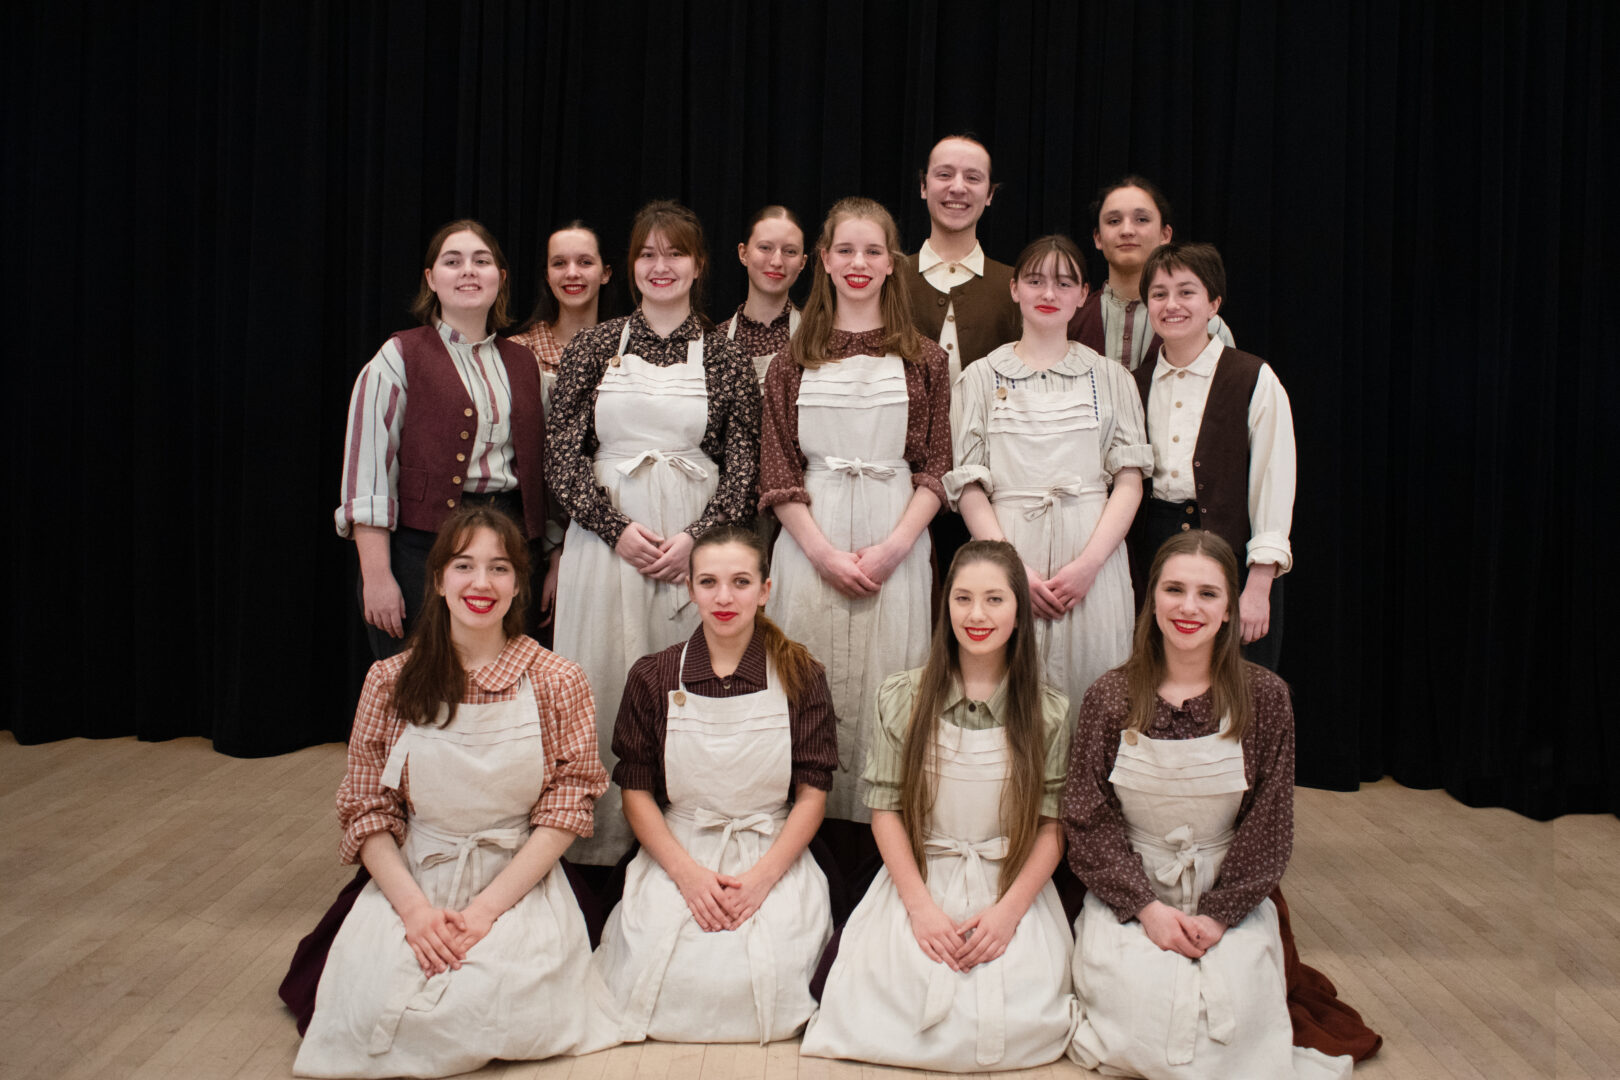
[955, 959]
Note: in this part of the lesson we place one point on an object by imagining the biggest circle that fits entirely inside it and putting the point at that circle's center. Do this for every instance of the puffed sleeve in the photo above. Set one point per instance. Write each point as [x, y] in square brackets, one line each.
[815, 734]
[885, 749]
[1055, 718]
[571, 433]
[364, 806]
[970, 448]
[368, 492]
[734, 384]
[1099, 854]
[1127, 445]
[575, 777]
[781, 462]
[928, 435]
[1264, 838]
[638, 732]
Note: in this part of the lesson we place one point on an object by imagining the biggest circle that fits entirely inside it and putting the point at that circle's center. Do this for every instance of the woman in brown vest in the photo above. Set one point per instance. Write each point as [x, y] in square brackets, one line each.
[444, 415]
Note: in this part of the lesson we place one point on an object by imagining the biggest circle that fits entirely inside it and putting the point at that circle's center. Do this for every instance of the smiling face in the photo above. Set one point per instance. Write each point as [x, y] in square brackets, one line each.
[728, 589]
[984, 609]
[956, 185]
[858, 261]
[478, 583]
[1049, 292]
[1129, 228]
[1179, 308]
[664, 273]
[465, 277]
[774, 255]
[574, 268]
[1190, 602]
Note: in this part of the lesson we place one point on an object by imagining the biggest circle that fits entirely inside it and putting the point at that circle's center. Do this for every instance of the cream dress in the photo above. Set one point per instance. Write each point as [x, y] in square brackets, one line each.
[649, 423]
[516, 996]
[1152, 1013]
[1044, 446]
[852, 431]
[728, 767]
[887, 1002]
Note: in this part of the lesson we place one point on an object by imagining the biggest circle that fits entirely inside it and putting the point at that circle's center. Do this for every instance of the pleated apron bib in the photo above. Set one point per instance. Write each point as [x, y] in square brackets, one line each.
[887, 1002]
[728, 766]
[852, 430]
[515, 996]
[1148, 1012]
[1051, 490]
[649, 424]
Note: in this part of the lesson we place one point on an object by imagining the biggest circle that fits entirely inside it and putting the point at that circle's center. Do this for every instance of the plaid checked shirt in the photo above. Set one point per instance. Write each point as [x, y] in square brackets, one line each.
[574, 776]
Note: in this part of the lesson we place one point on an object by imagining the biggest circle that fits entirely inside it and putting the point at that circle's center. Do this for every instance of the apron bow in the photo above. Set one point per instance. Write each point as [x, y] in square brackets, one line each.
[855, 467]
[630, 466]
[972, 880]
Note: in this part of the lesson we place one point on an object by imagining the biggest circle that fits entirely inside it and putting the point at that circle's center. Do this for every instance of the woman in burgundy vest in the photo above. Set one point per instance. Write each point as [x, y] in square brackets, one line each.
[444, 414]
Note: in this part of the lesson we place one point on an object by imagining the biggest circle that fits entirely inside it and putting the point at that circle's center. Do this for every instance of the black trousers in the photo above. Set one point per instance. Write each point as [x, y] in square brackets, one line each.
[1156, 522]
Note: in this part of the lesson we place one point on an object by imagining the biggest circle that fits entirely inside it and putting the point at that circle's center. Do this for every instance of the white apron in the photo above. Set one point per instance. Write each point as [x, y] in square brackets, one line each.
[852, 429]
[762, 364]
[1051, 489]
[649, 423]
[515, 996]
[887, 1002]
[728, 767]
[1148, 1012]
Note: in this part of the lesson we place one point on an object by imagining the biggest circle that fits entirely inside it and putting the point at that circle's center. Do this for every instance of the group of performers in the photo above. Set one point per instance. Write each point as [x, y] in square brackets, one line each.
[733, 535]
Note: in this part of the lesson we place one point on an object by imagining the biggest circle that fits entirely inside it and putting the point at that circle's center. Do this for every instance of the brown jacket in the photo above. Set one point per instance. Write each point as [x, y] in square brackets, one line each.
[986, 317]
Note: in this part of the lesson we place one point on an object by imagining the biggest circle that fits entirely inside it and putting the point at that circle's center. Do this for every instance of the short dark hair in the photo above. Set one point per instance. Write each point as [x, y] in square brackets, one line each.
[1202, 259]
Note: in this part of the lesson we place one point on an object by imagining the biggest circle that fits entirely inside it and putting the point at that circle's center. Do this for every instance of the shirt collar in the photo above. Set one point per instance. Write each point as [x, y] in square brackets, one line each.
[452, 336]
[957, 701]
[503, 672]
[927, 259]
[1076, 362]
[687, 331]
[780, 320]
[700, 667]
[1203, 364]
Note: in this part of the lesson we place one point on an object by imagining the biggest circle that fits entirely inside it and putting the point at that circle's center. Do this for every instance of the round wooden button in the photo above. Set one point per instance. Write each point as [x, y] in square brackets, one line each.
[614, 362]
[1130, 737]
[1001, 392]
[678, 697]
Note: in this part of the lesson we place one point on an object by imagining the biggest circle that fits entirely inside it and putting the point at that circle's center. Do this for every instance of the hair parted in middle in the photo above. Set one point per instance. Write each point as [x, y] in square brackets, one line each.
[1026, 731]
[810, 345]
[426, 305]
[1067, 251]
[682, 231]
[433, 675]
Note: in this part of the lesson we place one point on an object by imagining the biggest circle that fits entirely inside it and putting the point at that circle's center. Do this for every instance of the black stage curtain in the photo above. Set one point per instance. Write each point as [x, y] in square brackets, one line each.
[219, 212]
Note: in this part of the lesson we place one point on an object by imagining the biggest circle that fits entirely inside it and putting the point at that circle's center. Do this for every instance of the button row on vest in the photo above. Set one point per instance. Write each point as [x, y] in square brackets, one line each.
[455, 479]
[466, 435]
[451, 503]
[466, 412]
[461, 457]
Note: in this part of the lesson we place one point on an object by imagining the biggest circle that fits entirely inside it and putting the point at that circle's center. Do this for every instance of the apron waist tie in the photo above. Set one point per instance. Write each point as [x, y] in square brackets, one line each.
[972, 879]
[679, 460]
[423, 993]
[857, 469]
[1045, 499]
[1183, 855]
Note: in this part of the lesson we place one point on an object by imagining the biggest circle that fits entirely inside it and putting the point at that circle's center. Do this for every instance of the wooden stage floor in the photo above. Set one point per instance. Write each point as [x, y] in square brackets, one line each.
[152, 894]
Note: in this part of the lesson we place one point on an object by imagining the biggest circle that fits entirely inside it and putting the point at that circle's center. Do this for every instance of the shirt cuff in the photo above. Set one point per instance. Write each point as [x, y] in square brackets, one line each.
[379, 511]
[816, 778]
[957, 480]
[1130, 457]
[365, 826]
[1270, 547]
[927, 480]
[563, 810]
[782, 495]
[882, 797]
[636, 776]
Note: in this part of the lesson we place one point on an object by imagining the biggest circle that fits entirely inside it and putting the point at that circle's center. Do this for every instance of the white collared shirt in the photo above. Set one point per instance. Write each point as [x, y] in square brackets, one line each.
[946, 276]
[1175, 411]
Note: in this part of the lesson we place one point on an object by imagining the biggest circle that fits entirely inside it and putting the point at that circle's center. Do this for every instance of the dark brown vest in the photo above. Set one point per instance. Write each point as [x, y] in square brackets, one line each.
[1221, 456]
[986, 317]
[440, 425]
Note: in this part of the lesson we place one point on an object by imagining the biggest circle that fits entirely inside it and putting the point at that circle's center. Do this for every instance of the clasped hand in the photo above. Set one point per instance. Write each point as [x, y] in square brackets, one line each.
[1173, 930]
[440, 938]
[652, 555]
[721, 901]
[960, 946]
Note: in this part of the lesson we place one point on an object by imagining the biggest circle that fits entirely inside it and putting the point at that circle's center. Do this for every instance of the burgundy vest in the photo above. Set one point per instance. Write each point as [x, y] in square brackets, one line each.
[1087, 328]
[1221, 456]
[986, 317]
[440, 425]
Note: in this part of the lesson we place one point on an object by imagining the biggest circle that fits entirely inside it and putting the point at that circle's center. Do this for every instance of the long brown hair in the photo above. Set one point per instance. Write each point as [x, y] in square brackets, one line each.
[793, 662]
[546, 307]
[426, 305]
[810, 345]
[1026, 730]
[433, 675]
[1228, 674]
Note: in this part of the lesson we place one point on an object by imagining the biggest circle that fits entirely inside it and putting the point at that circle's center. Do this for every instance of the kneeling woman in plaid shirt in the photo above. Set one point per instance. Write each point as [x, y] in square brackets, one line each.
[472, 767]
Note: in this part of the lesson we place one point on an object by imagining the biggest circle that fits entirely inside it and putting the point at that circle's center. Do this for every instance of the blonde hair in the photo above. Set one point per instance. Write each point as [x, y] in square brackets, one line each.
[810, 346]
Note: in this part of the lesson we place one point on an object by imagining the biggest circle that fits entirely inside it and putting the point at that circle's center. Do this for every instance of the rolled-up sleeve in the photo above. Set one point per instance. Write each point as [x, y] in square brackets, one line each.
[970, 448]
[781, 462]
[368, 491]
[364, 806]
[1271, 473]
[1127, 446]
[886, 747]
[638, 730]
[575, 776]
[815, 734]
